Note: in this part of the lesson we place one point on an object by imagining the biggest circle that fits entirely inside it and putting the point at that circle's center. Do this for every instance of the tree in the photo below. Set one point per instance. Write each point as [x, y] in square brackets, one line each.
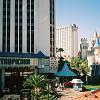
[36, 83]
[80, 65]
[61, 59]
[84, 67]
[75, 61]
[39, 86]
[60, 63]
[60, 50]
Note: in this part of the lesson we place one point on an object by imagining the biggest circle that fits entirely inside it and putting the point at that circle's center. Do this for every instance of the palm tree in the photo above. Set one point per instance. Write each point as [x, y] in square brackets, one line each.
[61, 59]
[60, 50]
[39, 86]
[36, 83]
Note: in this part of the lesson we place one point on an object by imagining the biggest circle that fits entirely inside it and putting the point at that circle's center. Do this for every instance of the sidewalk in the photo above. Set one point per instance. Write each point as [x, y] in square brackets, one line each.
[69, 94]
[10, 97]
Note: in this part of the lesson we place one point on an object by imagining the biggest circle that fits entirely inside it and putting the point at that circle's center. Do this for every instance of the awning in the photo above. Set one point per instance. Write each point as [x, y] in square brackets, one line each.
[23, 55]
[76, 81]
[65, 72]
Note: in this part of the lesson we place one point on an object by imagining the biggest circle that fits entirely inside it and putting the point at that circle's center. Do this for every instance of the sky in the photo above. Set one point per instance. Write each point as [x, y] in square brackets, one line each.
[84, 13]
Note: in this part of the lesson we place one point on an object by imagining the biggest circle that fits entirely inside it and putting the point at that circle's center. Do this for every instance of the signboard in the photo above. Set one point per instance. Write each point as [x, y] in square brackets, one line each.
[15, 62]
[53, 64]
[10, 61]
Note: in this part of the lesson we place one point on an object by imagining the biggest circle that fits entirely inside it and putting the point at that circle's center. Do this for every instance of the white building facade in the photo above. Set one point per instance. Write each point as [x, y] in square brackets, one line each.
[27, 32]
[27, 26]
[67, 38]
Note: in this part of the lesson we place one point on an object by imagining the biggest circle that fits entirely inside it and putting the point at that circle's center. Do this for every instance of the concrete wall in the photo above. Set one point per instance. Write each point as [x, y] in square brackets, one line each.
[42, 26]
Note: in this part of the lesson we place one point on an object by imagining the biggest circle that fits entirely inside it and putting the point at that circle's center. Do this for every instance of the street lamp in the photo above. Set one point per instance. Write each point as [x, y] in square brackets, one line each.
[36, 67]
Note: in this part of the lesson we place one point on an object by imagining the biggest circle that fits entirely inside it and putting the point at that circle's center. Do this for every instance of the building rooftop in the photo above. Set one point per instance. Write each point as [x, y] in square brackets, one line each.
[97, 43]
[23, 55]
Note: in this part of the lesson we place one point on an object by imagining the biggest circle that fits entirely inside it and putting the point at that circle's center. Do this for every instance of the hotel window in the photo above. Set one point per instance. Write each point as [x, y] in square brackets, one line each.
[8, 26]
[52, 28]
[4, 26]
[32, 26]
[20, 25]
[16, 25]
[28, 25]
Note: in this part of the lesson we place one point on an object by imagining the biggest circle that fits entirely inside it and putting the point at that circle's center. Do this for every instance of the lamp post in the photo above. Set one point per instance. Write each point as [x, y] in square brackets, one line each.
[47, 80]
[36, 67]
[48, 90]
[86, 79]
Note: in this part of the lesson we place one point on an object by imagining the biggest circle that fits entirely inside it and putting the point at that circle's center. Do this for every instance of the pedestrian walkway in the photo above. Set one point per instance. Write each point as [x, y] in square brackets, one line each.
[10, 97]
[69, 94]
[66, 94]
[90, 95]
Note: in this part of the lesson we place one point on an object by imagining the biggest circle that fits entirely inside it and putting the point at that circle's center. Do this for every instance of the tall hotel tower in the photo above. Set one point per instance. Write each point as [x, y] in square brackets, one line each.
[67, 38]
[27, 26]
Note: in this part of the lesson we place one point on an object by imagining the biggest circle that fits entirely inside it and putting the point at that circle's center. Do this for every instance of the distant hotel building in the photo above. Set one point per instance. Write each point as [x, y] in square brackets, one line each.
[67, 38]
[84, 48]
[26, 28]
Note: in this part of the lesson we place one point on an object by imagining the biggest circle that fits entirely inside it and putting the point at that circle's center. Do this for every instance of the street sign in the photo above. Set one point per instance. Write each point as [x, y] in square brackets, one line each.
[53, 64]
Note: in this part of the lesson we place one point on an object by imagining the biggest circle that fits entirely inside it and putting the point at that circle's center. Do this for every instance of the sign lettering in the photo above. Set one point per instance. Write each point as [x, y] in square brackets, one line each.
[4, 61]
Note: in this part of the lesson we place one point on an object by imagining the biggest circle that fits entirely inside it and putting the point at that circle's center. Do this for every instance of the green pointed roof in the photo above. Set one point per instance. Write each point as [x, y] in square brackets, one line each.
[65, 72]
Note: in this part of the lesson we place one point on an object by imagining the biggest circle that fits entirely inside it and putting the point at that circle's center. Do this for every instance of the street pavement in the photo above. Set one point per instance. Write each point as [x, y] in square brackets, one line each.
[66, 94]
[10, 97]
[69, 94]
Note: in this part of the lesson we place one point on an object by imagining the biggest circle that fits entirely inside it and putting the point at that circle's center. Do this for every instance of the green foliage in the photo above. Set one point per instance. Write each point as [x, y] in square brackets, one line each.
[92, 86]
[61, 59]
[47, 96]
[75, 61]
[80, 65]
[60, 63]
[39, 86]
[35, 81]
[60, 50]
[84, 67]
